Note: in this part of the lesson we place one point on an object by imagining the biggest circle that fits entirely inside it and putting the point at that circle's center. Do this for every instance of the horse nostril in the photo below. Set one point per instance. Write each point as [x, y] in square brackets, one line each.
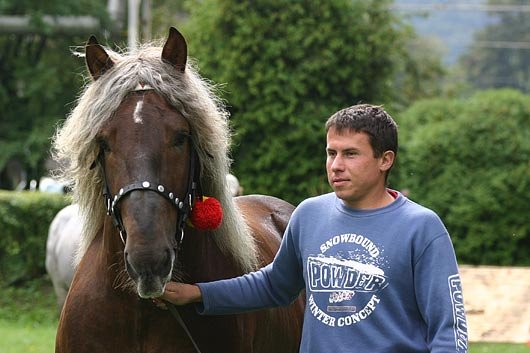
[129, 266]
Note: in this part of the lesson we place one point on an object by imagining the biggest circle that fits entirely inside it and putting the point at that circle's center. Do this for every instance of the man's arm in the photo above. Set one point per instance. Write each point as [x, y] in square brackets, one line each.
[440, 298]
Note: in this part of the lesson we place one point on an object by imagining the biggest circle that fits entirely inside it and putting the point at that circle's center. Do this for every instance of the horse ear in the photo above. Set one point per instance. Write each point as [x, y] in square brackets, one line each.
[175, 51]
[97, 59]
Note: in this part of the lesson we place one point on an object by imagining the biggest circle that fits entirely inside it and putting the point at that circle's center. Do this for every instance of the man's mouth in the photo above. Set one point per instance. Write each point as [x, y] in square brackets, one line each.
[339, 181]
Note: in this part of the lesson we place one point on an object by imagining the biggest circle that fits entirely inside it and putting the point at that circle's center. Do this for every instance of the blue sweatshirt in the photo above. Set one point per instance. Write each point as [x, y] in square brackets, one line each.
[381, 280]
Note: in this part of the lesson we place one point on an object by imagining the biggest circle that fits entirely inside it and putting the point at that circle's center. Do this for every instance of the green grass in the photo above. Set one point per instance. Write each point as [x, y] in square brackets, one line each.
[18, 337]
[28, 317]
[28, 321]
[498, 348]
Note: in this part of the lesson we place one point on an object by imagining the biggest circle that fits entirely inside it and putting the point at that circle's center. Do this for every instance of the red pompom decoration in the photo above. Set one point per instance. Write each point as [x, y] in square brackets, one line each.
[207, 214]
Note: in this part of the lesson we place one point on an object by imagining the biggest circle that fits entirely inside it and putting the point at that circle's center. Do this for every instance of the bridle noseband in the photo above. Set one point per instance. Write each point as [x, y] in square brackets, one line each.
[183, 207]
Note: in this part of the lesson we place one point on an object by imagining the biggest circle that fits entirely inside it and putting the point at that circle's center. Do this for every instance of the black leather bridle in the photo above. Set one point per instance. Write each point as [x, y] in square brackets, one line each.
[183, 207]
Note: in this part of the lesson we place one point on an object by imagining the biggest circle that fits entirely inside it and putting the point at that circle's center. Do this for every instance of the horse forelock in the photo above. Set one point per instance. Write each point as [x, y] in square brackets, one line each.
[75, 145]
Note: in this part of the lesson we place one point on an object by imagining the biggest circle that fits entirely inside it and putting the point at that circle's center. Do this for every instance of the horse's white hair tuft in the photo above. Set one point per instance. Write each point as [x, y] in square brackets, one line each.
[75, 146]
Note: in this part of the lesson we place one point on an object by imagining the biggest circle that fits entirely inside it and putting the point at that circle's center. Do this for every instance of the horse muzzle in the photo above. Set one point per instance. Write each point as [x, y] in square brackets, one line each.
[150, 272]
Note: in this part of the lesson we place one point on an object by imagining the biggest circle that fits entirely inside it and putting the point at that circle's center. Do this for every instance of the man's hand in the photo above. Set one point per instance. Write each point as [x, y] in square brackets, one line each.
[181, 293]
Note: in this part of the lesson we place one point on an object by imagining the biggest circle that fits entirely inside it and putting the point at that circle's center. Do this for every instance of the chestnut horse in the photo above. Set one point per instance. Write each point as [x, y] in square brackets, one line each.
[150, 133]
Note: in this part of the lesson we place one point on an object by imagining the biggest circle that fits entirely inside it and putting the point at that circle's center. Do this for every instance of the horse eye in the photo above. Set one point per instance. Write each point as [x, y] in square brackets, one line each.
[103, 144]
[180, 139]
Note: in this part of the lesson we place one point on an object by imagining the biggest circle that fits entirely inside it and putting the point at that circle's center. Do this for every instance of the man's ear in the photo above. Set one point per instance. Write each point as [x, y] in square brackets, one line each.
[387, 160]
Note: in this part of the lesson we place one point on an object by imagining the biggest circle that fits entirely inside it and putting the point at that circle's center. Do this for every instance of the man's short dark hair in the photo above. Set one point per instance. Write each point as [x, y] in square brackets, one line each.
[370, 119]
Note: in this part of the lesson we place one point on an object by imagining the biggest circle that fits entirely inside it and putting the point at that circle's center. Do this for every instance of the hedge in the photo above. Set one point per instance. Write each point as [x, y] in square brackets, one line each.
[469, 160]
[24, 221]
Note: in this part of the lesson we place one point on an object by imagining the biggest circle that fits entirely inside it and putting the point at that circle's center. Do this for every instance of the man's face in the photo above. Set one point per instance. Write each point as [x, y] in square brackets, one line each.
[356, 176]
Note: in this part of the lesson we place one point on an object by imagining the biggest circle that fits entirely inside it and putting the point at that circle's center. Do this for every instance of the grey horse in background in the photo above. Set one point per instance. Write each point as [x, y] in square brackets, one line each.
[64, 236]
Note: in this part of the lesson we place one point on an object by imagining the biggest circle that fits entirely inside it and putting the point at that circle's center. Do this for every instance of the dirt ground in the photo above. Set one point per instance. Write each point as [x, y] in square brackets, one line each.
[497, 301]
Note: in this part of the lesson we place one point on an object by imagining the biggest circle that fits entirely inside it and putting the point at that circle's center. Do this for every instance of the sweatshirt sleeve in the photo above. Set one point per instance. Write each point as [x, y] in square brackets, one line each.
[277, 284]
[439, 295]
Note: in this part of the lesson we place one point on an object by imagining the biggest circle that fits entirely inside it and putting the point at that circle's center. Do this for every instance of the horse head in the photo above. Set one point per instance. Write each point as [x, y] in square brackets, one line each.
[146, 156]
[152, 133]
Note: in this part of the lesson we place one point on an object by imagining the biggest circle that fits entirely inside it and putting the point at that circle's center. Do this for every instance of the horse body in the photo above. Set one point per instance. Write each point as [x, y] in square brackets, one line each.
[157, 145]
[98, 317]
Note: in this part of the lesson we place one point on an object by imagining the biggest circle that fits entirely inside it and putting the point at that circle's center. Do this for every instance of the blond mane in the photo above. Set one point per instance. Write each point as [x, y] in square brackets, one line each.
[75, 145]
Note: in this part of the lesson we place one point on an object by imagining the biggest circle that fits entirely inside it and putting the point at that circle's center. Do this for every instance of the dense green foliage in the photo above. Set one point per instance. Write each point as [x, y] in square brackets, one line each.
[469, 160]
[24, 220]
[31, 302]
[505, 60]
[40, 79]
[419, 75]
[287, 67]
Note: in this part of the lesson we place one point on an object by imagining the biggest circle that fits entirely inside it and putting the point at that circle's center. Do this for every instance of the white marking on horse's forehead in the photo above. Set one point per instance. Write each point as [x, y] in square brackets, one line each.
[137, 116]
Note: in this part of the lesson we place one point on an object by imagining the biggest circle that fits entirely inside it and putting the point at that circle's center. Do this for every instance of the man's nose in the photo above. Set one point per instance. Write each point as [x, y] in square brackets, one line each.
[337, 163]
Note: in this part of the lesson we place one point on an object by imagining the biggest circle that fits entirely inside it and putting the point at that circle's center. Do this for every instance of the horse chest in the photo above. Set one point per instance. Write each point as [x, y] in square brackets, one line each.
[100, 318]
[111, 326]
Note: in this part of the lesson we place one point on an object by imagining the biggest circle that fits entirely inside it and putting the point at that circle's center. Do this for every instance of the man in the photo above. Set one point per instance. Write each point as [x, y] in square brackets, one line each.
[379, 270]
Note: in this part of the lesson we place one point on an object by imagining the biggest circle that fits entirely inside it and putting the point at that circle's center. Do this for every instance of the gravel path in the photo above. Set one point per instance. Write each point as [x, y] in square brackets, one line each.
[497, 301]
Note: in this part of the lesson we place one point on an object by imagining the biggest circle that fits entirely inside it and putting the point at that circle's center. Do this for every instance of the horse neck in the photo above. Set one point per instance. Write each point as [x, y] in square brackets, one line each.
[200, 258]
[102, 266]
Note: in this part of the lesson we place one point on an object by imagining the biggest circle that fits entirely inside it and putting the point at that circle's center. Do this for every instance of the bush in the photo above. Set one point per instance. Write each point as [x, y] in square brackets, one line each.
[24, 221]
[287, 67]
[469, 160]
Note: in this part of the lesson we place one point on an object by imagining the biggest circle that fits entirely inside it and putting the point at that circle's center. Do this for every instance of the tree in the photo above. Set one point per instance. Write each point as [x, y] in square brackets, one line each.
[500, 55]
[287, 66]
[420, 72]
[166, 14]
[40, 78]
[469, 160]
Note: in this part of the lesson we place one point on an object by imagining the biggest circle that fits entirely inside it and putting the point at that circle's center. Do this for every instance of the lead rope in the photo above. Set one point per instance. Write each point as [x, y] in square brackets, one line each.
[177, 316]
[195, 190]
